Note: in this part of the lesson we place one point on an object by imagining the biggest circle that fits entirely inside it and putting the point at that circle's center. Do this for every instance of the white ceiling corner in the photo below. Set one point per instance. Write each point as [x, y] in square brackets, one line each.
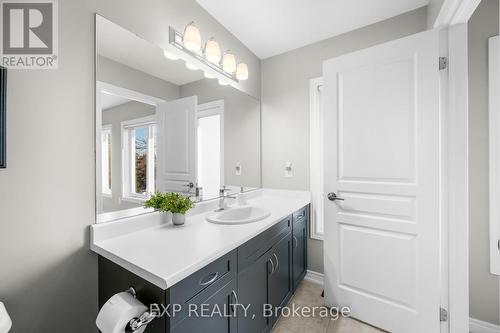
[109, 101]
[272, 27]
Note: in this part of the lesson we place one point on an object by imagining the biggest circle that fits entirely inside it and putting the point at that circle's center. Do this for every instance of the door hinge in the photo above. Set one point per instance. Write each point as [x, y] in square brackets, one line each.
[443, 314]
[443, 63]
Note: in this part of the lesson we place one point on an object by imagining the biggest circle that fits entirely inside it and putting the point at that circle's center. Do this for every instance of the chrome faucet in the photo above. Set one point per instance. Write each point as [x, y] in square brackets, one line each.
[222, 198]
[198, 191]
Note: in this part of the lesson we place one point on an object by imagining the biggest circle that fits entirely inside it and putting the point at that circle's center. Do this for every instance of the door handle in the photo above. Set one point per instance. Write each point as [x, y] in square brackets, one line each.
[295, 242]
[333, 197]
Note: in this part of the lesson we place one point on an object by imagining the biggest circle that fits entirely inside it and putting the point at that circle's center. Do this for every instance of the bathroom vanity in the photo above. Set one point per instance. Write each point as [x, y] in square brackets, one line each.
[201, 262]
[161, 127]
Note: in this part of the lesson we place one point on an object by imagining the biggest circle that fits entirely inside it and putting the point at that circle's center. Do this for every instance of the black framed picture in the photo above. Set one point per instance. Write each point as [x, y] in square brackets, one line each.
[3, 126]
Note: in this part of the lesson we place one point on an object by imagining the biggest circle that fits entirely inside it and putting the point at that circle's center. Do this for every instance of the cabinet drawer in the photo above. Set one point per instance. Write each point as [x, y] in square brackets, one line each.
[195, 314]
[300, 215]
[260, 244]
[186, 289]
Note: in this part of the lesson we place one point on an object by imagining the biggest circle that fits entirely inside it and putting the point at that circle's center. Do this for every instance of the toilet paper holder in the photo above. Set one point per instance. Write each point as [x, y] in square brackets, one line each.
[144, 319]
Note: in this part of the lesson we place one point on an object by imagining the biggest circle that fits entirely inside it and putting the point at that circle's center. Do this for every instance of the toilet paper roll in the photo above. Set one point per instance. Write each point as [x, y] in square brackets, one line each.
[117, 312]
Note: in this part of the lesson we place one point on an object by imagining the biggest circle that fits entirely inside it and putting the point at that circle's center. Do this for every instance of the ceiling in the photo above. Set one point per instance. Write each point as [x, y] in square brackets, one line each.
[125, 47]
[109, 101]
[272, 27]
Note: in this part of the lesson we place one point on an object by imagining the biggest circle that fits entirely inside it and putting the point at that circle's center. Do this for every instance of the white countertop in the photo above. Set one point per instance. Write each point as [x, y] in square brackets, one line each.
[165, 254]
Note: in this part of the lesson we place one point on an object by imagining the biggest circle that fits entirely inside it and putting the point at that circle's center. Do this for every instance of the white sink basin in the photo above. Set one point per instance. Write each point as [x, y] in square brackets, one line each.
[239, 215]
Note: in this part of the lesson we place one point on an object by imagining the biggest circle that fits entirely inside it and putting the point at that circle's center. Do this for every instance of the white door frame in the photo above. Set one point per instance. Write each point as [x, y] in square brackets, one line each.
[454, 15]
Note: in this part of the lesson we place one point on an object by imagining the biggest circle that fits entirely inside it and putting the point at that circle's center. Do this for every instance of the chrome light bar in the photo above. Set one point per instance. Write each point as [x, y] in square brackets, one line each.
[175, 39]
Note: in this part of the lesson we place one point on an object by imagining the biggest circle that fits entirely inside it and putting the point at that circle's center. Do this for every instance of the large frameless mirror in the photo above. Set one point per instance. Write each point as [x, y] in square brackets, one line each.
[163, 127]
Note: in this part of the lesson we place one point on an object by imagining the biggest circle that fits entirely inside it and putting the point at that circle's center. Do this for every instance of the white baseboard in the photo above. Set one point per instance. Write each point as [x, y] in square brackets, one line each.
[478, 326]
[314, 277]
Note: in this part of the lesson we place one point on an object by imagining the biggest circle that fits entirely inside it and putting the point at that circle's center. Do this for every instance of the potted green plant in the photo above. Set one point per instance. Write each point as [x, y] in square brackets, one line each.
[172, 205]
[158, 202]
[179, 205]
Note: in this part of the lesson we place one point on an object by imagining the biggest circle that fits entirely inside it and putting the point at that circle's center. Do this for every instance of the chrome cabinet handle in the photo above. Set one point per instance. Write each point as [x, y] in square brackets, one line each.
[333, 197]
[295, 242]
[212, 279]
[277, 261]
[236, 301]
[272, 266]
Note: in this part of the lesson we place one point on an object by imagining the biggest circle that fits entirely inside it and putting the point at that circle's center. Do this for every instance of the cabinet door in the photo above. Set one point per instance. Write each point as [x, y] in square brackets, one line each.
[280, 279]
[299, 243]
[252, 290]
[214, 312]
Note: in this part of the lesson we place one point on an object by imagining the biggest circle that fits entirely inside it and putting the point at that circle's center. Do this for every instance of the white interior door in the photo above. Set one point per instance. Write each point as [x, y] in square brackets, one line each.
[176, 151]
[381, 139]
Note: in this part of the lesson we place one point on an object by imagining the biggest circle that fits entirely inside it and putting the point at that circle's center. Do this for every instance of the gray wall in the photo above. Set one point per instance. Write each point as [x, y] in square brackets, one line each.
[241, 129]
[483, 285]
[47, 193]
[120, 75]
[285, 102]
[114, 117]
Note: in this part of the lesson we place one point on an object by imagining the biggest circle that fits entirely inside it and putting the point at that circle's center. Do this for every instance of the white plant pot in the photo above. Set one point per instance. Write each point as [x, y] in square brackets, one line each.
[178, 218]
[166, 217]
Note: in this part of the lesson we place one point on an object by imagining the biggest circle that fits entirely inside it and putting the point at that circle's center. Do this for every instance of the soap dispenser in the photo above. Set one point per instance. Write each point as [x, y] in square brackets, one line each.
[242, 198]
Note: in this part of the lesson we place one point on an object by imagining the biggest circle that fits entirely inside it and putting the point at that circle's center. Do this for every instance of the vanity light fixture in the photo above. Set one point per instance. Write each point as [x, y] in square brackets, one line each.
[229, 62]
[242, 71]
[212, 51]
[192, 38]
[169, 55]
[190, 42]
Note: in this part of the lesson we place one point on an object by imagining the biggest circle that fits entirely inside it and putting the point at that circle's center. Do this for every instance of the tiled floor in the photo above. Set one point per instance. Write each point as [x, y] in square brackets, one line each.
[309, 294]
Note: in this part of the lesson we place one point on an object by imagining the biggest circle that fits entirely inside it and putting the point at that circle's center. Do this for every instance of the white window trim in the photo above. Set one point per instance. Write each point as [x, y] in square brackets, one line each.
[105, 192]
[127, 153]
[211, 109]
[316, 157]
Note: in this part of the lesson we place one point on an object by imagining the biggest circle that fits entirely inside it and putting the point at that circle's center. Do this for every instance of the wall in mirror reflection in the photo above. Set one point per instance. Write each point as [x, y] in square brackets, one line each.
[163, 127]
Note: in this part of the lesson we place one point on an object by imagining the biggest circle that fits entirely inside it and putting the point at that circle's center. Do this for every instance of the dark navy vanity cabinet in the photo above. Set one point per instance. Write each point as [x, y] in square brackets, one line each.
[264, 270]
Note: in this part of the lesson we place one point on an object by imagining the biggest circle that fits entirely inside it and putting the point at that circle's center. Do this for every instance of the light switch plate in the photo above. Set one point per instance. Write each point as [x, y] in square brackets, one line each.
[237, 169]
[288, 169]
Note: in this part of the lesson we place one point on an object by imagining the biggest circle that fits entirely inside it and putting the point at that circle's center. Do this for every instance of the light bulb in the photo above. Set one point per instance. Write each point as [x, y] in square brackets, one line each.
[229, 62]
[209, 76]
[242, 71]
[192, 38]
[223, 83]
[169, 55]
[212, 51]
